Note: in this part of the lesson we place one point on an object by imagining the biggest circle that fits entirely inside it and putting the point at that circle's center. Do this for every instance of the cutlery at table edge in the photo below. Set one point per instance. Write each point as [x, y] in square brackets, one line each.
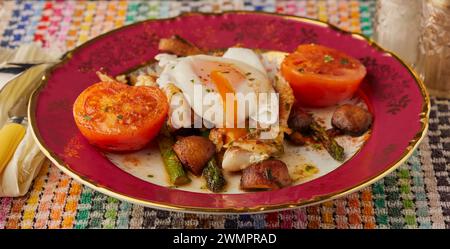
[12, 133]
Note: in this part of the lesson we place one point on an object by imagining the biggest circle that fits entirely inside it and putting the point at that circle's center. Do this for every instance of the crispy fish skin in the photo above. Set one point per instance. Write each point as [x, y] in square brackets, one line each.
[217, 136]
[265, 175]
[287, 98]
[194, 152]
[249, 149]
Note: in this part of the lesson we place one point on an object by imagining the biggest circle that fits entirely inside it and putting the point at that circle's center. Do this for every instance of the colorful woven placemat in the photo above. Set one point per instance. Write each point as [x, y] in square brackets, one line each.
[416, 195]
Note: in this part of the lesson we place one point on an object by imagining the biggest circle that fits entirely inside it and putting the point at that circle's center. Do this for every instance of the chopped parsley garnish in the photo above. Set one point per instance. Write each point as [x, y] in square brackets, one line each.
[251, 79]
[328, 58]
[120, 116]
[87, 117]
[208, 90]
[344, 61]
[192, 81]
[316, 146]
[248, 73]
[150, 176]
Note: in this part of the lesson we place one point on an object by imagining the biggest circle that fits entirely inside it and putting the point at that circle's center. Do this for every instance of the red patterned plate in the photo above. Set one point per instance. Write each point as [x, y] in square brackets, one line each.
[397, 98]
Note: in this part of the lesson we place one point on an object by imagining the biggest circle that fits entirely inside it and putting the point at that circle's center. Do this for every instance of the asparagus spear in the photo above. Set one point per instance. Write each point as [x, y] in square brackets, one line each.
[320, 134]
[173, 166]
[212, 173]
[213, 176]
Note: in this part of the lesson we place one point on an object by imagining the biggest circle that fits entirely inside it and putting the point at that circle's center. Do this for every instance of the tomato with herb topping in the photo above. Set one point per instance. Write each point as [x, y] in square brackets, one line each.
[116, 117]
[321, 76]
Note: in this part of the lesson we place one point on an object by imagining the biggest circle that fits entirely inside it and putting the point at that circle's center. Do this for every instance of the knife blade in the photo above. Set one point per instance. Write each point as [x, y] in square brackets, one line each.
[8, 74]
[11, 70]
[18, 113]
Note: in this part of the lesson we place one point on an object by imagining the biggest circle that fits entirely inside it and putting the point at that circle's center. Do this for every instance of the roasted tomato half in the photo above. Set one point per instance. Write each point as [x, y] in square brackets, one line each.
[322, 76]
[116, 117]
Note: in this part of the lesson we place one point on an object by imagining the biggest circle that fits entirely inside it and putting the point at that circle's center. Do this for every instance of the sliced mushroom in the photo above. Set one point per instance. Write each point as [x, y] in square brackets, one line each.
[265, 175]
[352, 119]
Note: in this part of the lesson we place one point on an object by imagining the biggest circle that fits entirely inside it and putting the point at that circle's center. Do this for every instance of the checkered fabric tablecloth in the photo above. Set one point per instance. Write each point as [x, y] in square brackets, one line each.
[416, 195]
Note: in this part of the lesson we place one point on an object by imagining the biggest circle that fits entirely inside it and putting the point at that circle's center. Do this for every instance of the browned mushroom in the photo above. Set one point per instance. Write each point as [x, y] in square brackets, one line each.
[297, 138]
[179, 46]
[299, 120]
[265, 175]
[194, 152]
[351, 119]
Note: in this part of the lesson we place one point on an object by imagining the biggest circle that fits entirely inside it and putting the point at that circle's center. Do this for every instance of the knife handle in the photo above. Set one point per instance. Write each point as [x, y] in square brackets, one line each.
[10, 137]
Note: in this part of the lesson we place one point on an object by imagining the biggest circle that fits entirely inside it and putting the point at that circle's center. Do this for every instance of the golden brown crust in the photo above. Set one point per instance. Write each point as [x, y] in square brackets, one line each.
[287, 98]
[194, 152]
[179, 46]
[217, 136]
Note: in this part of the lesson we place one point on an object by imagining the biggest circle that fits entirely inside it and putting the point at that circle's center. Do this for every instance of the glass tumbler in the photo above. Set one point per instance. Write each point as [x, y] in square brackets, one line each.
[397, 27]
[434, 47]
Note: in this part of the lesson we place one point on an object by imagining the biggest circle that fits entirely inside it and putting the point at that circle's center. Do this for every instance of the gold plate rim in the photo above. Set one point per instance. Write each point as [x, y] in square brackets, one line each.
[424, 117]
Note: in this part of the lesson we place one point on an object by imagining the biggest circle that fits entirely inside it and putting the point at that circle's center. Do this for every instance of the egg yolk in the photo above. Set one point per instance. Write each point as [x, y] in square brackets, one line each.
[224, 87]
